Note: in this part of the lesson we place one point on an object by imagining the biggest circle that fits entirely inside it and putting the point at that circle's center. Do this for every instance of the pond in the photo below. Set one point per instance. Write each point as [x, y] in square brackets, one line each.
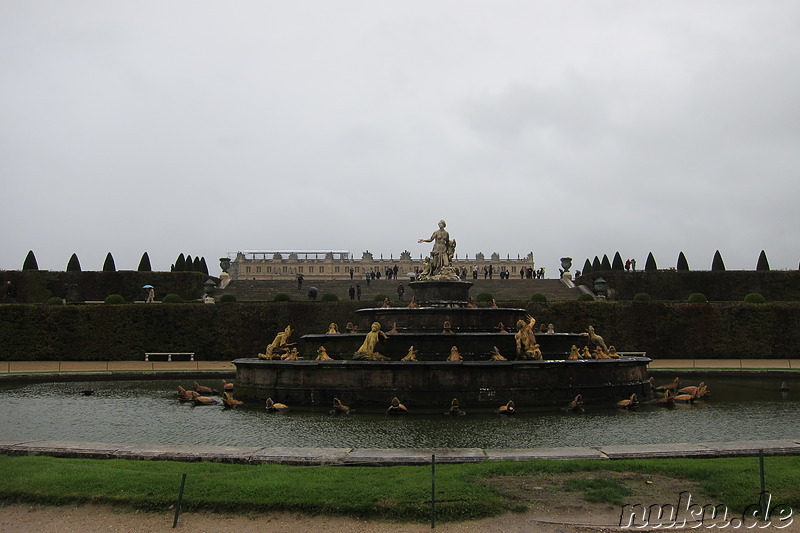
[148, 412]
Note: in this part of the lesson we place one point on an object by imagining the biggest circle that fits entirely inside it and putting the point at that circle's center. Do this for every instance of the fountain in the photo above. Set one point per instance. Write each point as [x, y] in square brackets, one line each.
[407, 354]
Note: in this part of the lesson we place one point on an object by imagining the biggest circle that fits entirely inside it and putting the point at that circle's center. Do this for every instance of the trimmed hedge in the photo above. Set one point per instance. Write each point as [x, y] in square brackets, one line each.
[226, 332]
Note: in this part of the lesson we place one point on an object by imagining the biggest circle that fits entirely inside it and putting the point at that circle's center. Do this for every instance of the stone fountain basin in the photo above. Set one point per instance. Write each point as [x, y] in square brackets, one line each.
[432, 384]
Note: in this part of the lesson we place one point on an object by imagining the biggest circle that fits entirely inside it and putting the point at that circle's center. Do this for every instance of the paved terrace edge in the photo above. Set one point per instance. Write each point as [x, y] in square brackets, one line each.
[389, 456]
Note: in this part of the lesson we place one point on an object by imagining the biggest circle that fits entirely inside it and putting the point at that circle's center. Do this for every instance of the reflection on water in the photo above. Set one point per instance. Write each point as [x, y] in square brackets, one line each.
[148, 412]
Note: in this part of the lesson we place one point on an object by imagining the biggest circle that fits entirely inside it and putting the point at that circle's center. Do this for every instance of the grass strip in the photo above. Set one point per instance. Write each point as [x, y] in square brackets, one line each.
[396, 493]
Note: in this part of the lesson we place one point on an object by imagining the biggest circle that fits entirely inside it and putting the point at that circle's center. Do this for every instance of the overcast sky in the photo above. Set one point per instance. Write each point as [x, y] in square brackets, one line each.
[563, 128]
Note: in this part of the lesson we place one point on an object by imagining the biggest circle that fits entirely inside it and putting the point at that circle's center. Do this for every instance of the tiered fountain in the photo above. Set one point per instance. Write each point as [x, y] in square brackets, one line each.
[441, 320]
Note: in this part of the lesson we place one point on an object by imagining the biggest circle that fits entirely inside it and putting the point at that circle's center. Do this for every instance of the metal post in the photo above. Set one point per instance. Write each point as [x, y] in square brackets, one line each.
[178, 504]
[762, 499]
[433, 491]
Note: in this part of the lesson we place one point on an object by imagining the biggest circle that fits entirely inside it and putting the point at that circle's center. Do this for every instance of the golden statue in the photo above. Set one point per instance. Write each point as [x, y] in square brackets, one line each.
[350, 328]
[501, 328]
[454, 355]
[322, 354]
[585, 353]
[438, 265]
[291, 355]
[612, 352]
[526, 340]
[494, 304]
[574, 354]
[413, 303]
[333, 329]
[367, 349]
[385, 303]
[495, 355]
[447, 327]
[280, 345]
[596, 339]
[471, 303]
[411, 355]
[394, 328]
[537, 353]
[551, 328]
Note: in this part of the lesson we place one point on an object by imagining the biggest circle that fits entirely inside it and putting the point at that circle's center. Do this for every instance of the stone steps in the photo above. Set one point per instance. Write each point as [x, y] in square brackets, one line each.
[500, 289]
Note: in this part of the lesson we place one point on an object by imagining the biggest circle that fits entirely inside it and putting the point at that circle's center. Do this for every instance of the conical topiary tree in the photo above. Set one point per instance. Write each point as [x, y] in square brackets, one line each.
[30, 262]
[605, 263]
[144, 263]
[73, 265]
[763, 264]
[108, 264]
[587, 267]
[650, 264]
[203, 266]
[596, 265]
[196, 264]
[180, 263]
[683, 264]
[717, 264]
[617, 263]
[189, 263]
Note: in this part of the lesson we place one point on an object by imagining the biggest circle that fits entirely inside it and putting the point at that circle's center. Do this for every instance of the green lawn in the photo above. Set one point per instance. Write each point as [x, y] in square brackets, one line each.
[399, 493]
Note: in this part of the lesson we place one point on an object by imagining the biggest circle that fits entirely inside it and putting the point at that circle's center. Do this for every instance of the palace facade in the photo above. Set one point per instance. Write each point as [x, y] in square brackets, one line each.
[340, 264]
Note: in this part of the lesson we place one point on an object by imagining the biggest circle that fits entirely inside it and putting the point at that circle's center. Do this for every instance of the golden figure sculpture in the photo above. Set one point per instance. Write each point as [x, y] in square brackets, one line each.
[229, 401]
[447, 328]
[394, 328]
[333, 329]
[471, 303]
[494, 304]
[396, 408]
[386, 303]
[501, 328]
[438, 266]
[495, 355]
[612, 352]
[322, 354]
[536, 355]
[413, 303]
[350, 328]
[339, 408]
[454, 409]
[596, 339]
[525, 338]
[454, 355]
[551, 328]
[574, 354]
[411, 355]
[291, 355]
[367, 349]
[279, 346]
[586, 354]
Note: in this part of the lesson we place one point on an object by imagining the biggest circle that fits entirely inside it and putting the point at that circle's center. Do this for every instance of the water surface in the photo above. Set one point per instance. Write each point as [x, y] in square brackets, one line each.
[148, 412]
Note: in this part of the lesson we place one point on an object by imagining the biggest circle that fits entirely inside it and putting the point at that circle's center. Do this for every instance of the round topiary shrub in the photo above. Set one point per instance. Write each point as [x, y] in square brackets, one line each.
[380, 297]
[114, 299]
[697, 298]
[538, 297]
[329, 297]
[55, 300]
[641, 297]
[281, 297]
[172, 299]
[227, 298]
[755, 298]
[585, 298]
[484, 297]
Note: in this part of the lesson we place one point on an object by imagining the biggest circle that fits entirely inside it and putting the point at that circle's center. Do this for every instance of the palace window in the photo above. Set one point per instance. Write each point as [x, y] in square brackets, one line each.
[258, 270]
[311, 270]
[321, 269]
[336, 270]
[247, 270]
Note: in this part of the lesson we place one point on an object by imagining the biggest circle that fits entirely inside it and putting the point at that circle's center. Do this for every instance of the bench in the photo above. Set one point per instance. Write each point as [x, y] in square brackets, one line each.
[169, 355]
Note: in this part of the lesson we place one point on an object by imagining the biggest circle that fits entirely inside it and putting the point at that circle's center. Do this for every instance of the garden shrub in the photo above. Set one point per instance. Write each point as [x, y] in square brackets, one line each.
[226, 298]
[282, 297]
[641, 297]
[697, 298]
[755, 298]
[55, 300]
[539, 298]
[172, 299]
[329, 297]
[114, 299]
[379, 297]
[484, 297]
[585, 298]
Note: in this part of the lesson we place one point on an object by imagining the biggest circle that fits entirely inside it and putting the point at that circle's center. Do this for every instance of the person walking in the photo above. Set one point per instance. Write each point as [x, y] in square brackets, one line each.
[352, 292]
[358, 290]
[11, 293]
[401, 290]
